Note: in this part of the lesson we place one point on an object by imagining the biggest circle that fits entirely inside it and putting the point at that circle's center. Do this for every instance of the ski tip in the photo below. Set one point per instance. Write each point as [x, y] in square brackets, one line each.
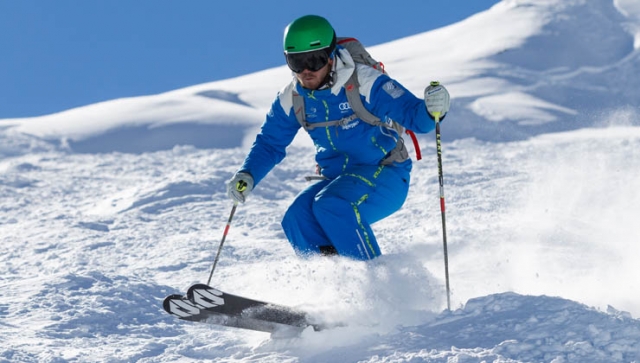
[167, 301]
[197, 287]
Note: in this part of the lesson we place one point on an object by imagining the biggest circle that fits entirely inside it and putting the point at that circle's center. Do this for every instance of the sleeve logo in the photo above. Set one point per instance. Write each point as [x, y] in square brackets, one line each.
[392, 89]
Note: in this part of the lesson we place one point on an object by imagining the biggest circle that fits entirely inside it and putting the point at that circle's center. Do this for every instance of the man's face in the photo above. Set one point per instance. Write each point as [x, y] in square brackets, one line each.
[313, 80]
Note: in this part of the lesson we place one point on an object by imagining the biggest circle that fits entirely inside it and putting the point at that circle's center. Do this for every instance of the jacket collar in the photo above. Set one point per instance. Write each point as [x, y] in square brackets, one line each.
[343, 68]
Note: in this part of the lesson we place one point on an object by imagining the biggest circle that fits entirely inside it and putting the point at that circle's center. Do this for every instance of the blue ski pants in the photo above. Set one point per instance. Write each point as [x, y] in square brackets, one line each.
[339, 212]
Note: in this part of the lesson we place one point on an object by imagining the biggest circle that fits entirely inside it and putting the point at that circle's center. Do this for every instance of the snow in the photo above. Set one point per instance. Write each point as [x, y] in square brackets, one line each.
[107, 208]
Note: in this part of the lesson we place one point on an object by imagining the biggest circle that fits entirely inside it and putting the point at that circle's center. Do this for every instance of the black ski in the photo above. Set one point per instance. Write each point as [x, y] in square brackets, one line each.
[205, 304]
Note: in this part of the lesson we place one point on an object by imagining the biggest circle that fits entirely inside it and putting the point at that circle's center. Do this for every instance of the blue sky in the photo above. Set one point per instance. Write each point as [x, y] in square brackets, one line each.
[56, 55]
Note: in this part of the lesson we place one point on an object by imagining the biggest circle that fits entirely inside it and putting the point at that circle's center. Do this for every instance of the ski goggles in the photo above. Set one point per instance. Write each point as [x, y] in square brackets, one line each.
[312, 61]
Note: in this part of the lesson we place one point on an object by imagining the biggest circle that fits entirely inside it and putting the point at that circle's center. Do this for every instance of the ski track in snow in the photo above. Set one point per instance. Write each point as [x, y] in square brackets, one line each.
[91, 244]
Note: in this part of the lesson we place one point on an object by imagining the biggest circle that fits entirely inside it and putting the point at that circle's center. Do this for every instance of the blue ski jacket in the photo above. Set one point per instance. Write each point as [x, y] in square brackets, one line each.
[340, 148]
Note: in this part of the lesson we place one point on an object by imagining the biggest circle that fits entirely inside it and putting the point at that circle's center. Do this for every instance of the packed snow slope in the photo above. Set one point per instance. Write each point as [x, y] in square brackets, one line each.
[108, 208]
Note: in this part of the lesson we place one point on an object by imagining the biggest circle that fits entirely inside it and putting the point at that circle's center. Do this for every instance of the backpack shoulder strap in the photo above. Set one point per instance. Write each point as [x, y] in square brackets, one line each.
[352, 89]
[298, 107]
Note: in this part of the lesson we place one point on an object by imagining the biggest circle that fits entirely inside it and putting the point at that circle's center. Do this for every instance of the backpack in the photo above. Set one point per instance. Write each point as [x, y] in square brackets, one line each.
[361, 56]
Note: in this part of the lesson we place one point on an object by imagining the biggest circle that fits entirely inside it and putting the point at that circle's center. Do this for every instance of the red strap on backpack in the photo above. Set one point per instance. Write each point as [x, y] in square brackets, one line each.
[416, 146]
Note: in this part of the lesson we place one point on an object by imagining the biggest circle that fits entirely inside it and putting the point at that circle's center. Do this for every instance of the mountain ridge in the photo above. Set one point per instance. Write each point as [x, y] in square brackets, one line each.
[533, 67]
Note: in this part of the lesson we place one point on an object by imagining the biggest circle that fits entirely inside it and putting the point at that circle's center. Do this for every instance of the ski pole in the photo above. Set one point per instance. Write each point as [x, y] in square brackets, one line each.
[224, 236]
[436, 116]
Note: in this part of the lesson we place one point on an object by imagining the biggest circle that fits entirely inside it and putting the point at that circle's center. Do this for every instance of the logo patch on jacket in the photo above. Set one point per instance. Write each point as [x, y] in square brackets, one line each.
[350, 125]
[344, 107]
[311, 115]
[392, 89]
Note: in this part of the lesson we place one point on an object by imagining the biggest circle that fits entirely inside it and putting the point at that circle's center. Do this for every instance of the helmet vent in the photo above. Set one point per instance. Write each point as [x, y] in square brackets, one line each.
[315, 43]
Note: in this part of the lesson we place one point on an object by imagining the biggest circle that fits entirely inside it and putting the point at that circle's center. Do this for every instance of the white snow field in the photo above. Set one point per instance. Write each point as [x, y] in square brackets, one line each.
[106, 209]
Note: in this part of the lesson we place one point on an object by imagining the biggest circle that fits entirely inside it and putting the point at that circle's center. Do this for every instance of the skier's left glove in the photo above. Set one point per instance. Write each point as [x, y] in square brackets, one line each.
[436, 98]
[239, 187]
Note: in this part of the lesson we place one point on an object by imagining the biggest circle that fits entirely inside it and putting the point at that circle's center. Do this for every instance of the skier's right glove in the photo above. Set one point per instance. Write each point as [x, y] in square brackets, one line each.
[239, 187]
[436, 98]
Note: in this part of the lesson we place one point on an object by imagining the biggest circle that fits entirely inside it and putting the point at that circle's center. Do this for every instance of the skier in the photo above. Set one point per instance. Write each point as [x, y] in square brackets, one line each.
[365, 169]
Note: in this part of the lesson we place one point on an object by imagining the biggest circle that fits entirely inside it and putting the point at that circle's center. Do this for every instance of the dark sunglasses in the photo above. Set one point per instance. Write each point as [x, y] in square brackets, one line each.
[312, 61]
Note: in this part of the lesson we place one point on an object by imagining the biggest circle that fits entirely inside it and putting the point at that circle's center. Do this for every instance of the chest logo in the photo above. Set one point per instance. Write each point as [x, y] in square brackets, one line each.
[344, 106]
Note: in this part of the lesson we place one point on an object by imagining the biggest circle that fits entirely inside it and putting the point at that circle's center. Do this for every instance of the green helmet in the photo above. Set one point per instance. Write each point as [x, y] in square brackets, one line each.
[310, 32]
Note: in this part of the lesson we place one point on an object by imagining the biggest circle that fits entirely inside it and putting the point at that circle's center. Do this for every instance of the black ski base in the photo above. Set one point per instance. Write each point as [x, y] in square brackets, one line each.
[205, 304]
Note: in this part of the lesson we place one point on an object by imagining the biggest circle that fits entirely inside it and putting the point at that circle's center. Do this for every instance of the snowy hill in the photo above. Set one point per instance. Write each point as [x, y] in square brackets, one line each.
[107, 208]
[520, 69]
